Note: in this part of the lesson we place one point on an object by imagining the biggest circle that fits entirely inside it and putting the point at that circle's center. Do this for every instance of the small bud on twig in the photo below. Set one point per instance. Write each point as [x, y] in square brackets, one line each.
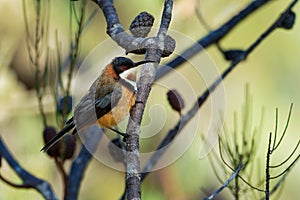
[232, 54]
[289, 21]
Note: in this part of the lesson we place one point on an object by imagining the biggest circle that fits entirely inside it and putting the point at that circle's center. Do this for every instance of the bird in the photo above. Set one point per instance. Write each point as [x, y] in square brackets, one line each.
[108, 101]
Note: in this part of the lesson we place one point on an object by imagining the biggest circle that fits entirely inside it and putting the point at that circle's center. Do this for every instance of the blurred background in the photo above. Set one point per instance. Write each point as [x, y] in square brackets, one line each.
[271, 71]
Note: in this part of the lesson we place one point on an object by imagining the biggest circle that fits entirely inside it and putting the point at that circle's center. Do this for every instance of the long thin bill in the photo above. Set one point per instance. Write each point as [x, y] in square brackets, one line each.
[142, 62]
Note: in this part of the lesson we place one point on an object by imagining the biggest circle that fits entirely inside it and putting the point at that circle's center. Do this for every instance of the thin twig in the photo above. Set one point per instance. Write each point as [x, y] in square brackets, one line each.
[190, 114]
[288, 158]
[212, 38]
[8, 182]
[34, 48]
[276, 145]
[60, 166]
[75, 46]
[234, 175]
[287, 169]
[275, 131]
[267, 191]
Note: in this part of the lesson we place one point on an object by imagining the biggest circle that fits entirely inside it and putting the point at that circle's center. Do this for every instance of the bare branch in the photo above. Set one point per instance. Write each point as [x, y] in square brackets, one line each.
[116, 31]
[79, 165]
[29, 180]
[212, 38]
[234, 175]
[133, 177]
[190, 114]
[154, 48]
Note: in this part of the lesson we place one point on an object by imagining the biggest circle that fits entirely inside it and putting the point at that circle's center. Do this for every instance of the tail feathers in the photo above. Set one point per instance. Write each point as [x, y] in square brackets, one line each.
[69, 126]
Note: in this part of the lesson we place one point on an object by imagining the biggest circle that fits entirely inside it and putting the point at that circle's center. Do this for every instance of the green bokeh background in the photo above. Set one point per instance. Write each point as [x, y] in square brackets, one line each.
[272, 72]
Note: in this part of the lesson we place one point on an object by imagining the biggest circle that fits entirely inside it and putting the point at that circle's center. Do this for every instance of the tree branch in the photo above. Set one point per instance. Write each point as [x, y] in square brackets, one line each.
[93, 135]
[116, 31]
[212, 38]
[185, 118]
[234, 175]
[153, 52]
[29, 180]
[154, 48]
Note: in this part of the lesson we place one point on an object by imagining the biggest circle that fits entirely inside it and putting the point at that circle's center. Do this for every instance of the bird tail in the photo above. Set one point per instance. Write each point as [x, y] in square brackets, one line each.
[69, 126]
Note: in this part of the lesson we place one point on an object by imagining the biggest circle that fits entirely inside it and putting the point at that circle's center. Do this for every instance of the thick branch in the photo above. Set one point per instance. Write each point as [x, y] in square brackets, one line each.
[79, 165]
[154, 52]
[29, 180]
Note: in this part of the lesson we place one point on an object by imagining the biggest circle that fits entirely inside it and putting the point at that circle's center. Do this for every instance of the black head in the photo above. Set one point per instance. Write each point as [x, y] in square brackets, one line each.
[122, 64]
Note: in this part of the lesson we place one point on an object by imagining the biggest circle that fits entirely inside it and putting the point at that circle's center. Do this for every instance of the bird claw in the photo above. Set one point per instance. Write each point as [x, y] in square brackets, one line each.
[139, 102]
[120, 133]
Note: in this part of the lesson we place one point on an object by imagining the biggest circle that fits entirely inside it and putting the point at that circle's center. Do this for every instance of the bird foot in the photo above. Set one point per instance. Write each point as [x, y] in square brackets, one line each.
[120, 133]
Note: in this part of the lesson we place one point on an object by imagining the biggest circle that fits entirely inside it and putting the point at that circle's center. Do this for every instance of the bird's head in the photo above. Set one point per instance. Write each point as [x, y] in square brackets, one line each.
[121, 64]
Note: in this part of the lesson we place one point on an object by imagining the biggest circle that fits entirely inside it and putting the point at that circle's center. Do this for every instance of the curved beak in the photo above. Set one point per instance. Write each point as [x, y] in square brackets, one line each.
[142, 62]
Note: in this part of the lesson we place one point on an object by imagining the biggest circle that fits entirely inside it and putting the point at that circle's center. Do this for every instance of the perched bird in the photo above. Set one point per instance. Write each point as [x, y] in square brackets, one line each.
[107, 102]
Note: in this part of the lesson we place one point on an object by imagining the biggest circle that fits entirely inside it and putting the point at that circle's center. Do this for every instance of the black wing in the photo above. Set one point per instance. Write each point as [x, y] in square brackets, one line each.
[91, 108]
[87, 112]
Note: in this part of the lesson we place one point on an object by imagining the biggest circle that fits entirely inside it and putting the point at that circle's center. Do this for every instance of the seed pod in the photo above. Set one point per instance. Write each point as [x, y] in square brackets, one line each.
[65, 105]
[68, 147]
[289, 21]
[169, 47]
[48, 133]
[175, 100]
[232, 54]
[141, 25]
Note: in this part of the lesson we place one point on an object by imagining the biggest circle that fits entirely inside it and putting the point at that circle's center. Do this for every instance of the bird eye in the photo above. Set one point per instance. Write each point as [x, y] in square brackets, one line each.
[124, 68]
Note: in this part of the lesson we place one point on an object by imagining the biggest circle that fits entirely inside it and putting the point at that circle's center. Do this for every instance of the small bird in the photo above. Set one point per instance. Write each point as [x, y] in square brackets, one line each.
[107, 102]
